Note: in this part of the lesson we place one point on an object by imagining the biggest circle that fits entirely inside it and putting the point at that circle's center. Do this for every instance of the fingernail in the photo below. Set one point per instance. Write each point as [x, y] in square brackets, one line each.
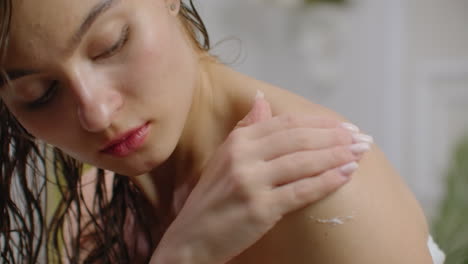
[259, 95]
[359, 138]
[350, 127]
[359, 148]
[349, 168]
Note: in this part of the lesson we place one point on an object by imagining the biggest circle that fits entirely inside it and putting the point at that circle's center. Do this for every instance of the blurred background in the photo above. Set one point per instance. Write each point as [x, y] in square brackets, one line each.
[396, 68]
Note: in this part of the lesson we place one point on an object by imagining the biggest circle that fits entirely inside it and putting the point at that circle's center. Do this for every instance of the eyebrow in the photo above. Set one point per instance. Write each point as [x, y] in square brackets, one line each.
[96, 11]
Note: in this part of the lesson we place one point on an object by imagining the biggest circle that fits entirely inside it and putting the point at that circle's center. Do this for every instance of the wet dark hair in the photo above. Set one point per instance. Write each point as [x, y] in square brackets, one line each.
[31, 170]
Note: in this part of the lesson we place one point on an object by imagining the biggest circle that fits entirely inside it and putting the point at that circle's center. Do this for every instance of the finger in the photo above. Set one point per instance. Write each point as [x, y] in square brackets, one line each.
[260, 111]
[304, 164]
[290, 121]
[296, 195]
[302, 139]
[264, 111]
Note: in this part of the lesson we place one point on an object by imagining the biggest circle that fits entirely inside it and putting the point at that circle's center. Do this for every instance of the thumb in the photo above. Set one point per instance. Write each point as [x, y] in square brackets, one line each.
[260, 111]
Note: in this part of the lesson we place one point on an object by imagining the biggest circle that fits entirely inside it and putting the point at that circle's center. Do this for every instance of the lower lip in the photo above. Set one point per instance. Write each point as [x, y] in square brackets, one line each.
[130, 144]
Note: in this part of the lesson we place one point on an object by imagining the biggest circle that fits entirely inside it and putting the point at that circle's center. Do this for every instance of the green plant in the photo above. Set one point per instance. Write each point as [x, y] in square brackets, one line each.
[450, 229]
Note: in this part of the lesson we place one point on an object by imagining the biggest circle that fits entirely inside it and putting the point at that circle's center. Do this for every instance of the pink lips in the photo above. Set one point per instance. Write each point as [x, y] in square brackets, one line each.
[127, 143]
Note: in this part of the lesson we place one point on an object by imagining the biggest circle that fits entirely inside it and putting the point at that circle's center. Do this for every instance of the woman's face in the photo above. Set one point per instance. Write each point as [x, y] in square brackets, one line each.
[109, 82]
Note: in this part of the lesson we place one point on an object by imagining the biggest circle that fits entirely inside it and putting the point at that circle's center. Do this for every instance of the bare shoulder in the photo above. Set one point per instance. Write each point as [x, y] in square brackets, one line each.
[373, 219]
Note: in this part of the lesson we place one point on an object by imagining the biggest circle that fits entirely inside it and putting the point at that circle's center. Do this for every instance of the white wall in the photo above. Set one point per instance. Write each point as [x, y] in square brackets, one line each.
[435, 73]
[391, 66]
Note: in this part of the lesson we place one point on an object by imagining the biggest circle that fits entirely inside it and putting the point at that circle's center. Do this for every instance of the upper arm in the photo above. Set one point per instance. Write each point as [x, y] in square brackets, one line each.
[386, 225]
[381, 220]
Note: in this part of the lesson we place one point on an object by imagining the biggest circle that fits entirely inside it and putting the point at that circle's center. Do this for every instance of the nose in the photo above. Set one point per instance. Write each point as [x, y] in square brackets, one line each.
[97, 106]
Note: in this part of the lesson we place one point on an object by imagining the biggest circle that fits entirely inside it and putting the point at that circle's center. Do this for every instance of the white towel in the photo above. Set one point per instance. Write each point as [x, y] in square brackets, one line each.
[438, 256]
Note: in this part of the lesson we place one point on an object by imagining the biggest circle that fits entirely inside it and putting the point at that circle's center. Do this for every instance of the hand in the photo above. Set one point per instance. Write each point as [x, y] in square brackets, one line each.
[267, 167]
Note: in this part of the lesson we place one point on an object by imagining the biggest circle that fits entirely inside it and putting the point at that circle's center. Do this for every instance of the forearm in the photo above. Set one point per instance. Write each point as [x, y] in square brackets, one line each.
[171, 254]
[182, 249]
[169, 259]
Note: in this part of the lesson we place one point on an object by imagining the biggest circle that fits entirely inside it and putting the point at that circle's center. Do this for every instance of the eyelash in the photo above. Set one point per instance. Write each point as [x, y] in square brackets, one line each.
[44, 99]
[117, 46]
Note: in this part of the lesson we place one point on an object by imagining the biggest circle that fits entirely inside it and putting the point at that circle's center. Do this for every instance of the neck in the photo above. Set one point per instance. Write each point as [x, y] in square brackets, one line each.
[219, 102]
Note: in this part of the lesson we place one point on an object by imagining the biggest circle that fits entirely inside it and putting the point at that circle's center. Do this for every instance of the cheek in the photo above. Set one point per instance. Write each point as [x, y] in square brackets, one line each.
[159, 51]
[27, 120]
[148, 59]
[149, 65]
[44, 129]
[142, 76]
[43, 124]
[41, 128]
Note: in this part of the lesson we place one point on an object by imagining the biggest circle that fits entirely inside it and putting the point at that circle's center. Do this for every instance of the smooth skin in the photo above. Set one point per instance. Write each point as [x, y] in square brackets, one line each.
[252, 186]
[134, 64]
[382, 221]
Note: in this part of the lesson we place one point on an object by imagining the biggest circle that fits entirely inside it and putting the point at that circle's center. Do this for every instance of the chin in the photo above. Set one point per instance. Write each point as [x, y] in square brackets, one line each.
[133, 169]
[142, 164]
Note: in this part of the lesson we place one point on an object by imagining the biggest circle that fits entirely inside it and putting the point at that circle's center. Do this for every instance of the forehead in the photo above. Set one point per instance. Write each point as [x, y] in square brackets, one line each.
[43, 26]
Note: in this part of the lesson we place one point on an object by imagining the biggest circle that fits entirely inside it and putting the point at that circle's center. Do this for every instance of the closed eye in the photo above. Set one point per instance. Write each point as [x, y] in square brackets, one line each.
[117, 46]
[46, 97]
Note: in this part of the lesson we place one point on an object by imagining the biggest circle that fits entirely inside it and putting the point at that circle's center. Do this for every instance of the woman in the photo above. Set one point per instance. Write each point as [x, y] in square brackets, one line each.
[129, 87]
